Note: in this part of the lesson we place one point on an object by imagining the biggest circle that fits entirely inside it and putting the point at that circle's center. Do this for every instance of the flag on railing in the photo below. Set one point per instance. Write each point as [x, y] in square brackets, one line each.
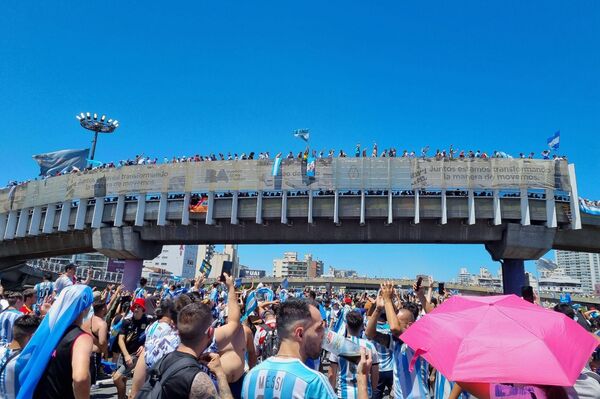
[311, 164]
[200, 207]
[588, 207]
[302, 134]
[554, 141]
[276, 165]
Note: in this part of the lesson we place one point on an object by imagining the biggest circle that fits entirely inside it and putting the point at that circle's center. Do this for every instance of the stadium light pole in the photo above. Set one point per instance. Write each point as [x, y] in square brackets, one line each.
[91, 122]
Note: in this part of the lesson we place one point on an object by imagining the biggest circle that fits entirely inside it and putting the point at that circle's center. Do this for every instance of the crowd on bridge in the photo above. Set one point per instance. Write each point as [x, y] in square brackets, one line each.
[62, 338]
[359, 151]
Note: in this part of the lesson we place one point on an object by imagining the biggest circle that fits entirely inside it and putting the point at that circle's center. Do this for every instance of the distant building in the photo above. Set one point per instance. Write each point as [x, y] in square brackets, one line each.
[464, 277]
[342, 273]
[180, 260]
[229, 254]
[581, 266]
[291, 266]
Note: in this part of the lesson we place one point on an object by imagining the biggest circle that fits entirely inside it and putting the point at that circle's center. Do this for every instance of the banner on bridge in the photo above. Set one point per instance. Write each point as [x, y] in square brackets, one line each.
[257, 175]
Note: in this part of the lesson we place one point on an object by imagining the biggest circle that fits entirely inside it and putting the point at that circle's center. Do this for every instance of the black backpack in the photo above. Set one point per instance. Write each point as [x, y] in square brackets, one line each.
[271, 344]
[153, 387]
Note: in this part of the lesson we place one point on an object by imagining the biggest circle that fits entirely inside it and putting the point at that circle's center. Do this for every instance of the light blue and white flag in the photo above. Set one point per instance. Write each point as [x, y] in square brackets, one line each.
[265, 293]
[554, 141]
[276, 166]
[311, 165]
[53, 162]
[587, 207]
[302, 134]
[35, 357]
[251, 305]
[283, 295]
[546, 264]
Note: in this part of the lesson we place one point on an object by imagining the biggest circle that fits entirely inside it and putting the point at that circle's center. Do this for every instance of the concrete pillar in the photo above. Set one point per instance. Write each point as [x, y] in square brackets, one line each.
[574, 197]
[471, 207]
[162, 209]
[36, 219]
[362, 207]
[513, 276]
[49, 219]
[525, 219]
[185, 211]
[132, 272]
[141, 210]
[390, 204]
[444, 218]
[497, 209]
[310, 207]
[23, 222]
[11, 225]
[80, 215]
[417, 219]
[336, 207]
[3, 219]
[234, 208]
[119, 211]
[550, 209]
[65, 214]
[284, 219]
[98, 213]
[259, 203]
[211, 209]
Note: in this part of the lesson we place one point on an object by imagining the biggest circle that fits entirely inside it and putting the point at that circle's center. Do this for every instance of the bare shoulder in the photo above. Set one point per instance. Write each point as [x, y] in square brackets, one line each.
[203, 387]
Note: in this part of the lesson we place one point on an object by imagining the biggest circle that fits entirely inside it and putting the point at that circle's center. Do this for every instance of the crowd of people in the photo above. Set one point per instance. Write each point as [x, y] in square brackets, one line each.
[60, 338]
[359, 151]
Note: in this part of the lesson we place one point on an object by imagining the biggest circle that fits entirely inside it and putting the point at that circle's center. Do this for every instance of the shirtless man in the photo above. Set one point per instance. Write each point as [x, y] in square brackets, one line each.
[231, 342]
[97, 327]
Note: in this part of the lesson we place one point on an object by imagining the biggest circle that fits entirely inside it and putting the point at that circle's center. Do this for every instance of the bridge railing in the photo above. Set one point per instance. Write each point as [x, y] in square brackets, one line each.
[81, 272]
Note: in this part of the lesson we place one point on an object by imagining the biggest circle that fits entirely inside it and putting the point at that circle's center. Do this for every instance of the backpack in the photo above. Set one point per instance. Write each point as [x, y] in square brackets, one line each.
[271, 343]
[153, 387]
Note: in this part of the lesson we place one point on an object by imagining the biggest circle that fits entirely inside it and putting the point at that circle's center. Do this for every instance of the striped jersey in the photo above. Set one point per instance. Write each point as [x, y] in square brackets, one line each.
[285, 378]
[408, 385]
[386, 362]
[8, 376]
[42, 291]
[443, 387]
[347, 384]
[7, 320]
[139, 293]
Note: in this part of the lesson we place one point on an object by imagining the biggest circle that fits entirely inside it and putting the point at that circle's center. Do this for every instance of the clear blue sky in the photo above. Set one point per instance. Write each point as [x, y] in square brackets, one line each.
[198, 77]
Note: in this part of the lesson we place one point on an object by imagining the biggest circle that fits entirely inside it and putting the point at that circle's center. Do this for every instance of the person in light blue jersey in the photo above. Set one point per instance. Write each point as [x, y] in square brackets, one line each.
[300, 330]
[407, 384]
[43, 290]
[386, 363]
[140, 292]
[8, 317]
[342, 372]
[23, 329]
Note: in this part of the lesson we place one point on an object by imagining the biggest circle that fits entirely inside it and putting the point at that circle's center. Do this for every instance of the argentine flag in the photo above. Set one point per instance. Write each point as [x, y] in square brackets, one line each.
[302, 133]
[251, 305]
[554, 141]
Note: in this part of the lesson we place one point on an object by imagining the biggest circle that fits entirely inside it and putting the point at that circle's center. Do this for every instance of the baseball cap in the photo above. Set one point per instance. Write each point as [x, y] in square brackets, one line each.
[141, 302]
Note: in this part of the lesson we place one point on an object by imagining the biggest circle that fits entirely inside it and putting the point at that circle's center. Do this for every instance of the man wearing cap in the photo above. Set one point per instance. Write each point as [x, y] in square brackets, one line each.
[131, 341]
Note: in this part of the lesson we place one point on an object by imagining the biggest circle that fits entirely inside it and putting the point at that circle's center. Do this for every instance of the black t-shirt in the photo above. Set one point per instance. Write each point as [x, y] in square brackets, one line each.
[134, 332]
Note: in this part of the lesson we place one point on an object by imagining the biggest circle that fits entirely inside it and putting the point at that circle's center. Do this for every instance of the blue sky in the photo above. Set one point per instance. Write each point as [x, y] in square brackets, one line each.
[199, 77]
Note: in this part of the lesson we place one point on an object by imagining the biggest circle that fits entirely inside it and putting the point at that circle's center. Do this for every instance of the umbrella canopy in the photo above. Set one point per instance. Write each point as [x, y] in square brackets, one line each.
[501, 339]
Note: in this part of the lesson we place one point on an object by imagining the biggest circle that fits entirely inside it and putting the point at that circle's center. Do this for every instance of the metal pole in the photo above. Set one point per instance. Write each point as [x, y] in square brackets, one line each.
[94, 145]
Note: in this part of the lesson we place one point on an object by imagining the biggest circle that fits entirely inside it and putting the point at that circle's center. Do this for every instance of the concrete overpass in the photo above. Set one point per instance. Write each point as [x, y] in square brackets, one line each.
[518, 209]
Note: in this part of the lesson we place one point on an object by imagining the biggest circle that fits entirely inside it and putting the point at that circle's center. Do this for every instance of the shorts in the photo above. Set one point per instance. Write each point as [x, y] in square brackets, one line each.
[123, 369]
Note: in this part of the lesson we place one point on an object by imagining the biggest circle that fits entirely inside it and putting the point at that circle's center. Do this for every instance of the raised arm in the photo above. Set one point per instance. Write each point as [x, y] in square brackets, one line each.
[387, 292]
[226, 332]
[371, 331]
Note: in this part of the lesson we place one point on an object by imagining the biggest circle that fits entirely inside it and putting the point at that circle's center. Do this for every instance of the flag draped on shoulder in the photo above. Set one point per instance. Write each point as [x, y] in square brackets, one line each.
[554, 141]
[302, 134]
[58, 161]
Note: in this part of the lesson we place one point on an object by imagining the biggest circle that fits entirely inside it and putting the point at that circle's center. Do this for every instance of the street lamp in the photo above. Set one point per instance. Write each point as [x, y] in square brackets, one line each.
[91, 122]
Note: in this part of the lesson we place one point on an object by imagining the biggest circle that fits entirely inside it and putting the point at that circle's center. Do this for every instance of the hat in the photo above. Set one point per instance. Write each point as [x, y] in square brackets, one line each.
[141, 302]
[348, 300]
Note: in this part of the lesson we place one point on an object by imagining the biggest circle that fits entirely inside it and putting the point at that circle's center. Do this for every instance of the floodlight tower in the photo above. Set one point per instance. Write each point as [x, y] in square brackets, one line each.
[91, 122]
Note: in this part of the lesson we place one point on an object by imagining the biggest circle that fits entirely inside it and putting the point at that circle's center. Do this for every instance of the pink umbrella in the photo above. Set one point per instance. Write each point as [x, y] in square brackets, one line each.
[501, 339]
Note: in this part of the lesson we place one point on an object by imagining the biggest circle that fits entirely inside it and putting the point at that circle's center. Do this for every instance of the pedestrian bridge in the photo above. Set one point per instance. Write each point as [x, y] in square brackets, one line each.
[519, 209]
